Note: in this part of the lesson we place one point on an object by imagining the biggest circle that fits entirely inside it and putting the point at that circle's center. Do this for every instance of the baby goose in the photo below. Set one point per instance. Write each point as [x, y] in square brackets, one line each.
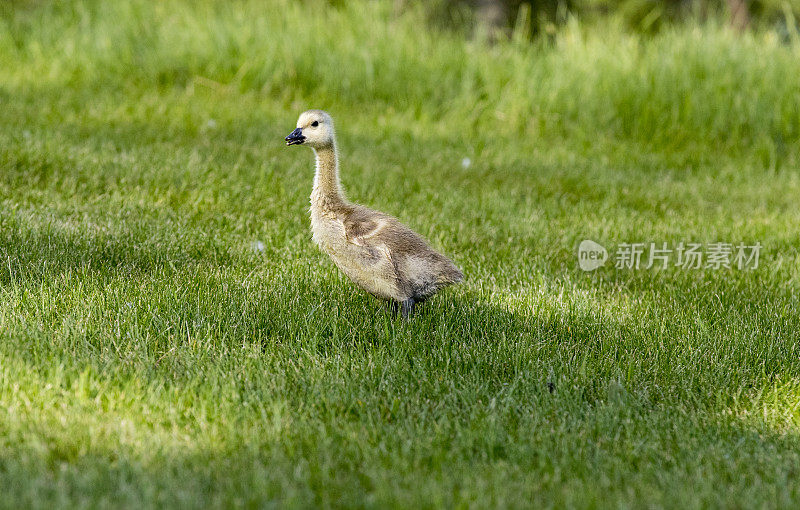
[376, 251]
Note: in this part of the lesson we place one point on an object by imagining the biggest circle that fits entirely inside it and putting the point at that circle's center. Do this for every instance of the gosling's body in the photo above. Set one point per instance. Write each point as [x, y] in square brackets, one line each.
[380, 254]
[377, 252]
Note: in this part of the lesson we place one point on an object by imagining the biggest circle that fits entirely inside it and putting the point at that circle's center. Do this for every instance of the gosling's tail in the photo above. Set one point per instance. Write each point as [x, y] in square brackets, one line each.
[450, 274]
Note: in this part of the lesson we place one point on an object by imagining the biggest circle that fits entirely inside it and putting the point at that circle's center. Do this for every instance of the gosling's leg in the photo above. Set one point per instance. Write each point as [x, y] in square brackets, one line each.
[407, 308]
[393, 306]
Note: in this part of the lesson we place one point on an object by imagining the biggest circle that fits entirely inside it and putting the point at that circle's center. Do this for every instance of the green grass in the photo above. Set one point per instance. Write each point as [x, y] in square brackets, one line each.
[150, 357]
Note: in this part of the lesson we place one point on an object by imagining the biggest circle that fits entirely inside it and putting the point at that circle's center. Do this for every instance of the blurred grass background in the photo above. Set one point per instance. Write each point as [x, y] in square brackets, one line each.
[151, 356]
[681, 89]
[644, 16]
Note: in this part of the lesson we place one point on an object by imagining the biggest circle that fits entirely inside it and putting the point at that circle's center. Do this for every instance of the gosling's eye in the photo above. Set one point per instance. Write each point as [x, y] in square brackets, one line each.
[314, 124]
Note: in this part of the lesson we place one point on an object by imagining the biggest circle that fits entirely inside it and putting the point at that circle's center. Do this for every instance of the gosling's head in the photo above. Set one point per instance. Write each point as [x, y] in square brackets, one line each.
[314, 128]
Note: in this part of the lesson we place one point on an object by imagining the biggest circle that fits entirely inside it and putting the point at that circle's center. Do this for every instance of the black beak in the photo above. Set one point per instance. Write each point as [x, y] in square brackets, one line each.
[295, 137]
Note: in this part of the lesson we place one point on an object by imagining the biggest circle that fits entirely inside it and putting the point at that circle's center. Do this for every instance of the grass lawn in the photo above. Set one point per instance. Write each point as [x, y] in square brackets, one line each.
[171, 337]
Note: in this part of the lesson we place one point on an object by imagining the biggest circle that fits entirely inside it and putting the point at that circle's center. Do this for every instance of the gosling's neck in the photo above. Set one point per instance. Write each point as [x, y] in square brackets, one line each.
[327, 192]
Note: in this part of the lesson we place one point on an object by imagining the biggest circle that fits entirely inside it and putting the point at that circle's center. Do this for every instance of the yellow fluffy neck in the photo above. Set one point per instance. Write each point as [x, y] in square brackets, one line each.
[327, 191]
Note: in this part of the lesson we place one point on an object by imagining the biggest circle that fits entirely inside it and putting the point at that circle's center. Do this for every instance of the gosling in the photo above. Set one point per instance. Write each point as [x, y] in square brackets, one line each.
[377, 252]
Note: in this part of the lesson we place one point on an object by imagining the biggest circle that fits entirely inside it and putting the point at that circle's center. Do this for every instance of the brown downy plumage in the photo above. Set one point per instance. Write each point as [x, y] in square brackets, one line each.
[376, 251]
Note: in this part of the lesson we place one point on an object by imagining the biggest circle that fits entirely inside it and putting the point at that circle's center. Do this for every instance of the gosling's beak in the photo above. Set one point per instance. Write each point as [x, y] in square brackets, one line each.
[295, 137]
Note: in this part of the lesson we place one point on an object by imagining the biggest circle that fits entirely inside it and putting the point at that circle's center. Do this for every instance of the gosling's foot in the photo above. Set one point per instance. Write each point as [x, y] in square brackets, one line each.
[407, 308]
[393, 307]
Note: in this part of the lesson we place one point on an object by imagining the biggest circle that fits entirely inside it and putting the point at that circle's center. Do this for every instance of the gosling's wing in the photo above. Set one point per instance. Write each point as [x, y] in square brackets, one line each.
[366, 227]
[420, 269]
[360, 231]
